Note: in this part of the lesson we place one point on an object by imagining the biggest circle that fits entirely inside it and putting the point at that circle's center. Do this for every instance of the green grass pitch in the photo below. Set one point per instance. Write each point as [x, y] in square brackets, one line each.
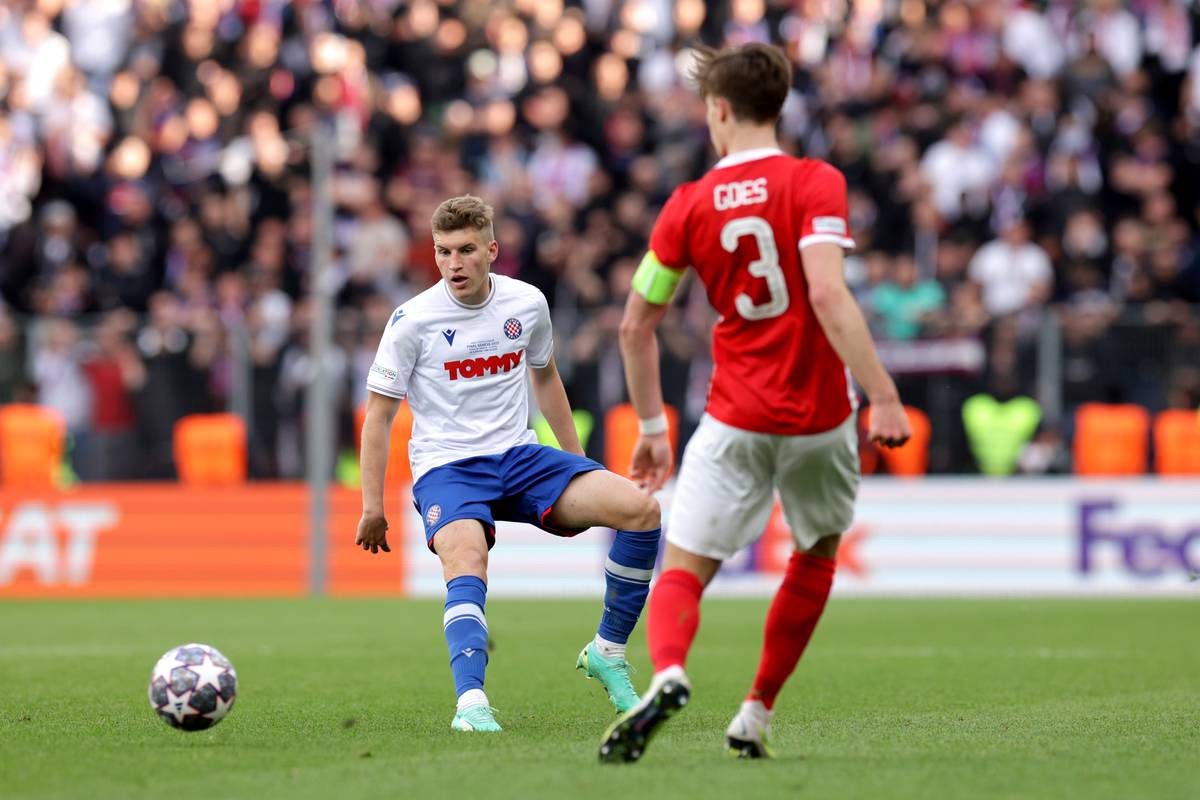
[348, 698]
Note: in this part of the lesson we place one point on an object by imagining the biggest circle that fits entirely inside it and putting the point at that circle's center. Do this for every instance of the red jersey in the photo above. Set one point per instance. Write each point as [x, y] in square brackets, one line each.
[742, 228]
[112, 410]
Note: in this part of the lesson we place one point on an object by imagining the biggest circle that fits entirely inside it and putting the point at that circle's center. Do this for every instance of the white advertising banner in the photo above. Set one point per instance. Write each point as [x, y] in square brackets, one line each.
[931, 536]
[1025, 536]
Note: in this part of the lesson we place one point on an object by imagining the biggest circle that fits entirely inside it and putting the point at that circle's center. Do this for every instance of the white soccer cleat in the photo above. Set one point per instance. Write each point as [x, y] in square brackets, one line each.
[748, 735]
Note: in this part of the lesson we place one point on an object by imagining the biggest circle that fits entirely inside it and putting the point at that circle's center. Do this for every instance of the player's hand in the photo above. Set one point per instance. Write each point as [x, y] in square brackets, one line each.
[889, 425]
[652, 461]
[372, 533]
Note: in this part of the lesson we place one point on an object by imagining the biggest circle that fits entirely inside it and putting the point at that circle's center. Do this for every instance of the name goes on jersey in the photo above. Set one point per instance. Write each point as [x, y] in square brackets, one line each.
[739, 193]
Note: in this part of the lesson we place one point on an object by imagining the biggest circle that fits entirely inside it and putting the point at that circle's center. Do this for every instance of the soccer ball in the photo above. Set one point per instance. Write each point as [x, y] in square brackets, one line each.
[192, 687]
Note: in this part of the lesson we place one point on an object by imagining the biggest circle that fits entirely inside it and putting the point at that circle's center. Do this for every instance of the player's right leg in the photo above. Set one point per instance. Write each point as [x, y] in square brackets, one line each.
[454, 503]
[462, 547]
[793, 616]
[817, 478]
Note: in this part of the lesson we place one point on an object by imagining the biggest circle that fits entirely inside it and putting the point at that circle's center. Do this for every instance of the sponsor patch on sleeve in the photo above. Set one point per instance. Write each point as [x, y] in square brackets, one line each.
[835, 225]
[384, 372]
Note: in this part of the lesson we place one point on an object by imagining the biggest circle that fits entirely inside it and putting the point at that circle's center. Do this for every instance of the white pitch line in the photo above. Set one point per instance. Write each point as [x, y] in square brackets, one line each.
[11, 651]
[929, 651]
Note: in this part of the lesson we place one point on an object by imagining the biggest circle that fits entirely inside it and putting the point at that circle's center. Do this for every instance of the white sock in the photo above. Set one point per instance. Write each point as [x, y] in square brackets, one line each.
[609, 649]
[472, 697]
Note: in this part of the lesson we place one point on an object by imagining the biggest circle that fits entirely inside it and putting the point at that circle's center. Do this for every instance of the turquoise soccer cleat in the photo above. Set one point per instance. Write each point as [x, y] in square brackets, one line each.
[613, 674]
[477, 719]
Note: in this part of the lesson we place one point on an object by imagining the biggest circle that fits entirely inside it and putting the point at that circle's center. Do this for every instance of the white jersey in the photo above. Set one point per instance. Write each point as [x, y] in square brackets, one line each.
[463, 369]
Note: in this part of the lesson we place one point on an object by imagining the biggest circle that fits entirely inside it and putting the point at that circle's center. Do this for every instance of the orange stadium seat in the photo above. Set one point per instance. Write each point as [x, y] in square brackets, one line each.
[1111, 439]
[210, 449]
[911, 459]
[1177, 442]
[31, 445]
[621, 434]
[399, 471]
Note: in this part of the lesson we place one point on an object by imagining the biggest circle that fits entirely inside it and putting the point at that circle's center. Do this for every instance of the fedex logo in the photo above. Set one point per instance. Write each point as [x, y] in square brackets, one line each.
[1147, 550]
[478, 367]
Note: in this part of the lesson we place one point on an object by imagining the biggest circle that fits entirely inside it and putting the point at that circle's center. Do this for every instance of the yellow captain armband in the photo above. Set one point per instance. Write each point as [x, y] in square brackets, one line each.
[655, 281]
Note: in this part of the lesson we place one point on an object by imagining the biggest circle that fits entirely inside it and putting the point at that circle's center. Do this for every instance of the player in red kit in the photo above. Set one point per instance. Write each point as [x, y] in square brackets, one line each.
[765, 233]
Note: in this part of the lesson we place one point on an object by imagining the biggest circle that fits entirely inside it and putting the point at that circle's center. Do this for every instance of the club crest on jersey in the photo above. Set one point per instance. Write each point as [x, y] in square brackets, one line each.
[512, 328]
[449, 335]
[433, 514]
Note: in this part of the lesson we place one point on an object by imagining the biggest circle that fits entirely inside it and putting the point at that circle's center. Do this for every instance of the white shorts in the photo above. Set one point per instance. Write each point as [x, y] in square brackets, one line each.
[727, 483]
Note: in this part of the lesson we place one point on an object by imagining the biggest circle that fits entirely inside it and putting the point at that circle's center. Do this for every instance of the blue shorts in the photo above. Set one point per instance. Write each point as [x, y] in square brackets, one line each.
[522, 484]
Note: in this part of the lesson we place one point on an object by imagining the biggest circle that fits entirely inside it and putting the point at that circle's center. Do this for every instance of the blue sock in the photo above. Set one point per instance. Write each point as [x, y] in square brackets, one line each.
[466, 632]
[627, 574]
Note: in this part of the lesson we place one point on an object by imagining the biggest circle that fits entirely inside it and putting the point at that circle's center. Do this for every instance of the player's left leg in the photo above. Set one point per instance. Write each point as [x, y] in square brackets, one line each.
[722, 501]
[603, 498]
[671, 624]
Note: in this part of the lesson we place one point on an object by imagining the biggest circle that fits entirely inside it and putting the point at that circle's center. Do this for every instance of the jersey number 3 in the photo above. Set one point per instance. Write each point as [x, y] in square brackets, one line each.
[766, 266]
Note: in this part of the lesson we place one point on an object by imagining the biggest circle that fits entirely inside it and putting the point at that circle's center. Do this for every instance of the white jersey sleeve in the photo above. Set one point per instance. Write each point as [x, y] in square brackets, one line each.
[541, 338]
[396, 357]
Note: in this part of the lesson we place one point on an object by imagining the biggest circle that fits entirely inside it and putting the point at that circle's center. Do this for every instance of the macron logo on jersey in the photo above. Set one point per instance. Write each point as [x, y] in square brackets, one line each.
[478, 367]
[399, 313]
[449, 336]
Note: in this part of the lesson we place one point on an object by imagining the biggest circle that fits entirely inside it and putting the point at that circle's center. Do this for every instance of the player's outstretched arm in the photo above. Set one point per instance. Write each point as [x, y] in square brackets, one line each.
[652, 456]
[552, 401]
[846, 329]
[376, 441]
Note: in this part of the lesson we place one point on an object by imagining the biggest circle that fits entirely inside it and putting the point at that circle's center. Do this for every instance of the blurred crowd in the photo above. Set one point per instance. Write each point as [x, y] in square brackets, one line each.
[1024, 176]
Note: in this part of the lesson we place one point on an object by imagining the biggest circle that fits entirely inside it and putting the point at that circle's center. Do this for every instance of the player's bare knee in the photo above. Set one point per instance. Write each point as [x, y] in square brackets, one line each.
[461, 551]
[464, 561]
[646, 515]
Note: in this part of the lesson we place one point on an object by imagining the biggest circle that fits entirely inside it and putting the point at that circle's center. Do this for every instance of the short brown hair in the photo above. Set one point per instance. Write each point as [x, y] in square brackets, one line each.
[467, 211]
[755, 78]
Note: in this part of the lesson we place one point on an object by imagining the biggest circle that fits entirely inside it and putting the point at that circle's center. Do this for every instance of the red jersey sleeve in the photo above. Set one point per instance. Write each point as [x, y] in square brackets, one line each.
[824, 206]
[667, 240]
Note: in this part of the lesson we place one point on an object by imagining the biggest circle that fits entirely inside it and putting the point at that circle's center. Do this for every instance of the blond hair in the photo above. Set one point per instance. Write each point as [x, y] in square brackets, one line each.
[467, 211]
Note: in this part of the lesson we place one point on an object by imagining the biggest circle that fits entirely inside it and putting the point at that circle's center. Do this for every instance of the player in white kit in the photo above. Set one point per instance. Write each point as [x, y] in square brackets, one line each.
[463, 353]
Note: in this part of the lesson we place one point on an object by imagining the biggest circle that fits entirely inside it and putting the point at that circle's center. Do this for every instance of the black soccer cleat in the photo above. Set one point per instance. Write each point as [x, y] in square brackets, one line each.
[748, 748]
[626, 739]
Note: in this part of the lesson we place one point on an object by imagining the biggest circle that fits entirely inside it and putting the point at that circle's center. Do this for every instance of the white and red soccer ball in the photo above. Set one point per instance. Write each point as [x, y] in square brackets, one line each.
[193, 687]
